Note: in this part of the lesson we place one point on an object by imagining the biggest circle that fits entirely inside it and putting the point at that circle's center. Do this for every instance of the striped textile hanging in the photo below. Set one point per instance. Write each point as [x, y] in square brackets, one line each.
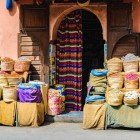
[69, 59]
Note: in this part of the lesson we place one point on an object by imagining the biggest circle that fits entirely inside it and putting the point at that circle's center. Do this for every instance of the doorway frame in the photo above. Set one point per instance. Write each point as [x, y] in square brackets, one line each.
[58, 11]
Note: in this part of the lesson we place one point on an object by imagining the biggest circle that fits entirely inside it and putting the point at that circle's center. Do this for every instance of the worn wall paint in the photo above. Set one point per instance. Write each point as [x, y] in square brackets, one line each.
[9, 28]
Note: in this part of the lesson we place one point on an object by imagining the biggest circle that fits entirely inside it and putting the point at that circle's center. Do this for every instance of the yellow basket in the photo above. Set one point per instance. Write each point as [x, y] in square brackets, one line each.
[14, 80]
[114, 66]
[7, 66]
[130, 66]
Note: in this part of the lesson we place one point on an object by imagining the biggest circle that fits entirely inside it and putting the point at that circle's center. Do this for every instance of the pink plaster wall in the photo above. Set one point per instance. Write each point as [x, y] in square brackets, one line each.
[9, 28]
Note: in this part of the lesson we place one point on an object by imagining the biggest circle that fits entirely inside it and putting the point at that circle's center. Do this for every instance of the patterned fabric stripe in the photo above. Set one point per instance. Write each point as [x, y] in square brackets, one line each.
[70, 63]
[68, 70]
[70, 49]
[68, 56]
[69, 59]
[72, 93]
[69, 75]
[72, 106]
[71, 42]
[71, 84]
[71, 46]
[71, 33]
[73, 89]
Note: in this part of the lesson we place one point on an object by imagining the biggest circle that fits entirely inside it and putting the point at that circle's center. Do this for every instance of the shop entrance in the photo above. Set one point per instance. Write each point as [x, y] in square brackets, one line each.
[79, 50]
[93, 44]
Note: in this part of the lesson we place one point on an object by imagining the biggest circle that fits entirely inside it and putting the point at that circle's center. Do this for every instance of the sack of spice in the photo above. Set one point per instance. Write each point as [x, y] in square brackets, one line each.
[131, 80]
[131, 97]
[114, 96]
[114, 64]
[130, 63]
[115, 80]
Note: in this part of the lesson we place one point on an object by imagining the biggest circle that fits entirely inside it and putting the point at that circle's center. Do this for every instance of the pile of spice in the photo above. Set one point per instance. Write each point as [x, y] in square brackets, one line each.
[130, 57]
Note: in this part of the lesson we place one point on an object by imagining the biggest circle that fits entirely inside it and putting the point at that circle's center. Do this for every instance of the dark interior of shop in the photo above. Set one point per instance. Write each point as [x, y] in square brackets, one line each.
[93, 47]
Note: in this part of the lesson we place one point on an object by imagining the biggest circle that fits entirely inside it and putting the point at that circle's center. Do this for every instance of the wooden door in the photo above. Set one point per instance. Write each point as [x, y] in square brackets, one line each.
[33, 39]
[119, 23]
[127, 44]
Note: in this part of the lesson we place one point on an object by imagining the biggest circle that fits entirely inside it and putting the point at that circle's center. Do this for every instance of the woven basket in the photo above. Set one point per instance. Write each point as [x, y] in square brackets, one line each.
[114, 66]
[130, 66]
[22, 66]
[131, 84]
[131, 102]
[14, 80]
[7, 66]
[9, 93]
[114, 99]
[115, 81]
[55, 102]
[3, 81]
[55, 106]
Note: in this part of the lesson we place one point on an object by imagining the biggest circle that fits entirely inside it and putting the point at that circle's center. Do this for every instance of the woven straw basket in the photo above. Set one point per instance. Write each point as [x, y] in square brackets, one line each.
[22, 66]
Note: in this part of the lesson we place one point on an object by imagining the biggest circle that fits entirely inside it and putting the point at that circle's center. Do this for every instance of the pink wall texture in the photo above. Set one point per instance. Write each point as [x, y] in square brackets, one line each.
[9, 28]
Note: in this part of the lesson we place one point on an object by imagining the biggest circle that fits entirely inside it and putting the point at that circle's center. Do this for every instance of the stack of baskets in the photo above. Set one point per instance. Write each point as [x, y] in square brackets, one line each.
[10, 76]
[123, 77]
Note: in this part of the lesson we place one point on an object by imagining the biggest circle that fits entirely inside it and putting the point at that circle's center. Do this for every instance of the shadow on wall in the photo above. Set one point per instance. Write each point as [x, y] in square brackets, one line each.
[14, 8]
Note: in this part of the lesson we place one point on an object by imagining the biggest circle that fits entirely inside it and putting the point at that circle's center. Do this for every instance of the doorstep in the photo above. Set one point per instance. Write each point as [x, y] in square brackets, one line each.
[71, 117]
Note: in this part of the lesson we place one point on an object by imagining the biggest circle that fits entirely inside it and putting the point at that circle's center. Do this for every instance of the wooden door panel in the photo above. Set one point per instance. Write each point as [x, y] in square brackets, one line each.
[127, 44]
[34, 17]
[119, 23]
[34, 37]
[118, 19]
[115, 36]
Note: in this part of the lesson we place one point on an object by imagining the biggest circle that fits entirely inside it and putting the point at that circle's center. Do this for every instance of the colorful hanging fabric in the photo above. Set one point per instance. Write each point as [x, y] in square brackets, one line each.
[69, 59]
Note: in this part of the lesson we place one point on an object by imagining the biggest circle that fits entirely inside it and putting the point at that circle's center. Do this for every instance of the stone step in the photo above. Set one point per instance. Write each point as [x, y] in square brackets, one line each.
[71, 117]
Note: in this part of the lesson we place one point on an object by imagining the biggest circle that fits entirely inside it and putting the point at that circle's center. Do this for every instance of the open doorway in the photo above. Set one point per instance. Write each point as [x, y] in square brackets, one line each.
[79, 50]
[93, 47]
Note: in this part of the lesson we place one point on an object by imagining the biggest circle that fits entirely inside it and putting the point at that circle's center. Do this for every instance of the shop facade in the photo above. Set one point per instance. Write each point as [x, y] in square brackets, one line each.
[30, 28]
